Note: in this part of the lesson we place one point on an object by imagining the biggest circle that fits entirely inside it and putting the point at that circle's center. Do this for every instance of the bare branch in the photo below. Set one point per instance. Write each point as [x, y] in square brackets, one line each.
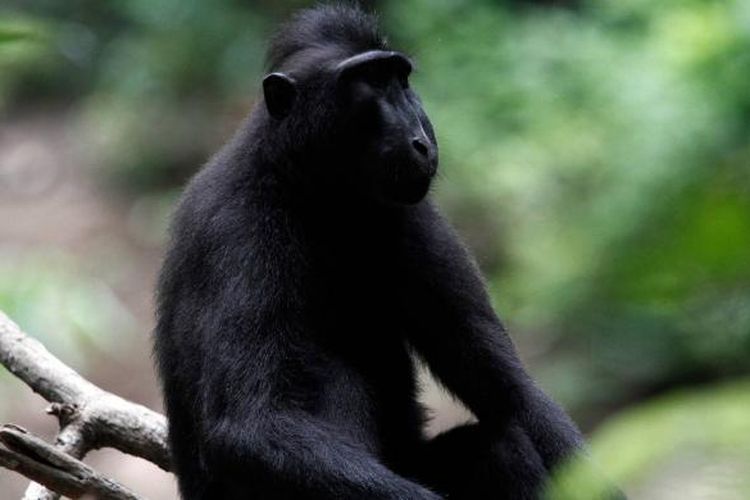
[34, 458]
[30, 361]
[70, 441]
[89, 416]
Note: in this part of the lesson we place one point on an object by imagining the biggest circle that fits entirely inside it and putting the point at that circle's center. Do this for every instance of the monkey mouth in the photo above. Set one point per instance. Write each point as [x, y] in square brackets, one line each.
[410, 191]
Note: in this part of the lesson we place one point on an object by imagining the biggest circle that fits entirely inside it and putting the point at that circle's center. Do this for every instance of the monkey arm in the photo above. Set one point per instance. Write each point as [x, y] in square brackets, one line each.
[316, 460]
[255, 419]
[464, 343]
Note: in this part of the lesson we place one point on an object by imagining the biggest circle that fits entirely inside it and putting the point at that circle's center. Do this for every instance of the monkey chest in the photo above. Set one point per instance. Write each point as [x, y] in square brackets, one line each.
[369, 394]
[360, 291]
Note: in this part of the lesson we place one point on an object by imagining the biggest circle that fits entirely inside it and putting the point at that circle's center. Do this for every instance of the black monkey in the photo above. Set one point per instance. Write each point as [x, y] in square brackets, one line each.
[306, 267]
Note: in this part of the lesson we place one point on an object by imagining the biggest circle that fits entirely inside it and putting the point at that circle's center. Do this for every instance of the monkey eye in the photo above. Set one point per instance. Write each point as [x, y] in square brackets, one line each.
[376, 75]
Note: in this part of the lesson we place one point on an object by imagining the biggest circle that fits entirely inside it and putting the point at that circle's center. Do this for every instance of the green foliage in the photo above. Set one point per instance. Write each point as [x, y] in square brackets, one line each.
[9, 32]
[155, 80]
[23, 45]
[62, 308]
[698, 437]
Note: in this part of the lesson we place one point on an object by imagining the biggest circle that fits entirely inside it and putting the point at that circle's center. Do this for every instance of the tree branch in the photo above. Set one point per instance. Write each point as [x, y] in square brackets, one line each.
[89, 417]
[34, 458]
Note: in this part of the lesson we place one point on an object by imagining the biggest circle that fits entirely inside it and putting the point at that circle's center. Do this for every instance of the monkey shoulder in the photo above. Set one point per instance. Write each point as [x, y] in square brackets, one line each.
[231, 232]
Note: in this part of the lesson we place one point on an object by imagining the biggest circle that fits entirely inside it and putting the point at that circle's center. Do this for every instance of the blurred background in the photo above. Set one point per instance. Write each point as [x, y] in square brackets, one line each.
[595, 156]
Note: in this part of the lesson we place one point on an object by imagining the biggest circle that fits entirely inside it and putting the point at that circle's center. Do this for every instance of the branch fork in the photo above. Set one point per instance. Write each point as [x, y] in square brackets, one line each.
[89, 417]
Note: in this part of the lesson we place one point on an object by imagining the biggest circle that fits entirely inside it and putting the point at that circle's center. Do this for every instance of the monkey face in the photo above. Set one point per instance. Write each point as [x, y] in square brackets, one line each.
[380, 141]
[392, 140]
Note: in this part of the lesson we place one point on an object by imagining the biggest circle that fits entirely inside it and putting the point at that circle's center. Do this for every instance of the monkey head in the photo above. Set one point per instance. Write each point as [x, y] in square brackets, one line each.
[380, 137]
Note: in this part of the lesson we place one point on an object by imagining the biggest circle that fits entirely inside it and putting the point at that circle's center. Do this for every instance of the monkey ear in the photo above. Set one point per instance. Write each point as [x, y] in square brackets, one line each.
[279, 91]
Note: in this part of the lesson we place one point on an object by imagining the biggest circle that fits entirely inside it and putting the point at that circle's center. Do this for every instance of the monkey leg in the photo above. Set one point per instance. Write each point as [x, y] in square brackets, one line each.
[469, 463]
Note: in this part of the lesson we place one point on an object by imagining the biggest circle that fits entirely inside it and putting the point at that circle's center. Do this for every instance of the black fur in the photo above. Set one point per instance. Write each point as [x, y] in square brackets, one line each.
[304, 268]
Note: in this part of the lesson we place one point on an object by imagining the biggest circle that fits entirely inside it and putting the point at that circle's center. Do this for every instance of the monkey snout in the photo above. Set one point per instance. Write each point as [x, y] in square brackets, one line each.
[427, 166]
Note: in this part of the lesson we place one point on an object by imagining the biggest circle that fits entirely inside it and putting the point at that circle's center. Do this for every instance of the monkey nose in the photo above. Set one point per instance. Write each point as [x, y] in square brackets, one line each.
[421, 146]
